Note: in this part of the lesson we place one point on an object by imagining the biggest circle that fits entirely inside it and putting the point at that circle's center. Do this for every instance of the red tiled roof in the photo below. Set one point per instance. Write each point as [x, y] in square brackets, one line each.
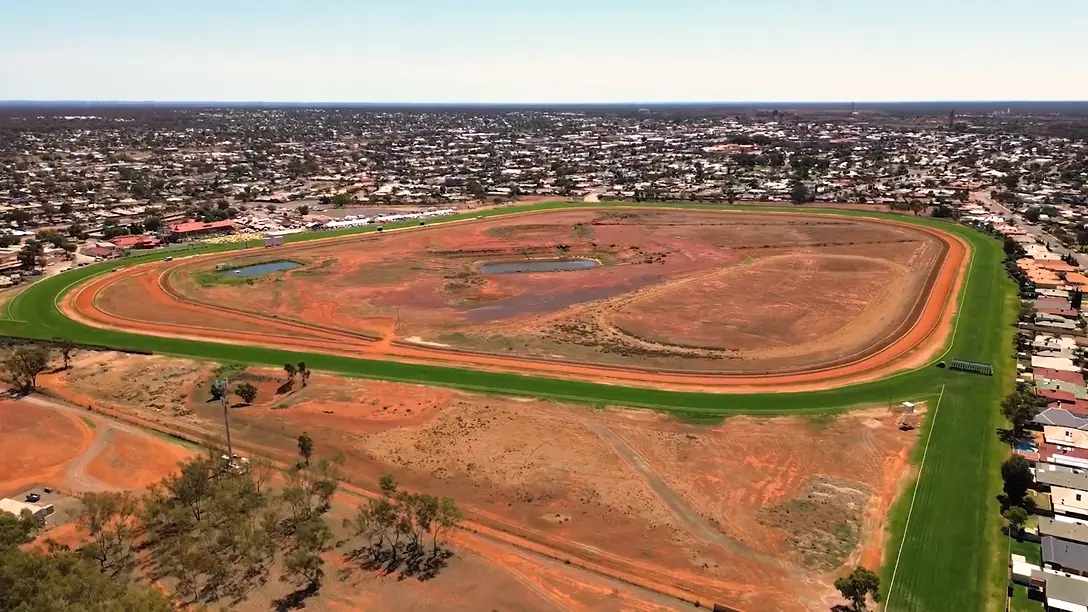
[1047, 450]
[199, 226]
[1070, 377]
[131, 241]
[1064, 397]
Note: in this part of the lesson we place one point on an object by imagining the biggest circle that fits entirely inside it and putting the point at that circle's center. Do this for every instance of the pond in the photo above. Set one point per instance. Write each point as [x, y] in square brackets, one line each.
[264, 268]
[551, 265]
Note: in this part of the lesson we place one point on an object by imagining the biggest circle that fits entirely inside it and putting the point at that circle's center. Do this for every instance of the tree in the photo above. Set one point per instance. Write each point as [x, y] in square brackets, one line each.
[916, 206]
[62, 580]
[304, 372]
[66, 348]
[305, 448]
[246, 391]
[153, 223]
[1016, 516]
[291, 369]
[303, 210]
[30, 254]
[800, 193]
[447, 517]
[66, 208]
[18, 530]
[1016, 473]
[1020, 407]
[857, 587]
[76, 231]
[387, 484]
[218, 389]
[1027, 310]
[1032, 214]
[22, 366]
[270, 208]
[110, 519]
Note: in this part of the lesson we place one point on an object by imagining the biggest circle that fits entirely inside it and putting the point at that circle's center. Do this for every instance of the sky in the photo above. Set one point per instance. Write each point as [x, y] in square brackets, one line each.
[537, 51]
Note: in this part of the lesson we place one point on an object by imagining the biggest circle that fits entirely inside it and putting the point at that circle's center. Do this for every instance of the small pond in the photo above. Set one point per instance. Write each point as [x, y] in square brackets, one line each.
[264, 268]
[552, 265]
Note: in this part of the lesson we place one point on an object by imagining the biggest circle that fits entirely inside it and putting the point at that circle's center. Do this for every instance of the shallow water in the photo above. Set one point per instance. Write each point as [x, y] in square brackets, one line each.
[265, 268]
[538, 266]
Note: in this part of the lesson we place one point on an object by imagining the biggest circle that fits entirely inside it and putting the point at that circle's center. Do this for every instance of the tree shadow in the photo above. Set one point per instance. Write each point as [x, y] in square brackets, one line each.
[413, 563]
[1007, 436]
[297, 598]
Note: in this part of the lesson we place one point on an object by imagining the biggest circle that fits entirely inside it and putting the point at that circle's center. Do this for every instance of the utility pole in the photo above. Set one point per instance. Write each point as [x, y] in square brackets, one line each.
[225, 399]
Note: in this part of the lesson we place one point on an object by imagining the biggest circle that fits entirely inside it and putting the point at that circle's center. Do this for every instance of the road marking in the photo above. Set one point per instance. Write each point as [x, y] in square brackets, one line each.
[918, 485]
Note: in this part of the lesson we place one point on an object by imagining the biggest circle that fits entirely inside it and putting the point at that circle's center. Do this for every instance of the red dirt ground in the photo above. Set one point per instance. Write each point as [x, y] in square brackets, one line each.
[134, 462]
[645, 510]
[39, 443]
[916, 342]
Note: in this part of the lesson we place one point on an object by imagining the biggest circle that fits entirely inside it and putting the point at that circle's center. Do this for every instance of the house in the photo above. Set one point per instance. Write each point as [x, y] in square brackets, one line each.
[1065, 556]
[1063, 530]
[1075, 378]
[1064, 364]
[1062, 592]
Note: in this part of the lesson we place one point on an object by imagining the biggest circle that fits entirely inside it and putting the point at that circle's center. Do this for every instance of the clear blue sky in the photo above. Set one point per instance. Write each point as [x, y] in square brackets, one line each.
[543, 50]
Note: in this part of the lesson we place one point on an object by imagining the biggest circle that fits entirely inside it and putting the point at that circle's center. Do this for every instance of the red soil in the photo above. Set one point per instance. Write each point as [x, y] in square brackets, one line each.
[914, 346]
[134, 462]
[40, 444]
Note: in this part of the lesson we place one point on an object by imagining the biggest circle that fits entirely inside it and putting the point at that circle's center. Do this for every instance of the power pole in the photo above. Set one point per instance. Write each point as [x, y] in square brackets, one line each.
[225, 399]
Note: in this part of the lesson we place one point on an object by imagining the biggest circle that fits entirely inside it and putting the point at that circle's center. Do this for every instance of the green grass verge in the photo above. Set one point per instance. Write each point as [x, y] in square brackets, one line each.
[1031, 551]
[89, 422]
[942, 551]
[1021, 602]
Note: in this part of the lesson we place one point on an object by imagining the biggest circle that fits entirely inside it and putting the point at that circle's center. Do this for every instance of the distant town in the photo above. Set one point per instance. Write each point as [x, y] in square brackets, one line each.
[82, 186]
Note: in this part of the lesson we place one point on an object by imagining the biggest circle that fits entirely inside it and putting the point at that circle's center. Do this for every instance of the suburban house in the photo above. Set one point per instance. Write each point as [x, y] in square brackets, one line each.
[1068, 488]
[1067, 529]
[1065, 556]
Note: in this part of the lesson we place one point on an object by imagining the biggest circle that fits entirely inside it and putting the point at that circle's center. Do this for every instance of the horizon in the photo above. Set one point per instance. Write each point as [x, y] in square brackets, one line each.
[529, 52]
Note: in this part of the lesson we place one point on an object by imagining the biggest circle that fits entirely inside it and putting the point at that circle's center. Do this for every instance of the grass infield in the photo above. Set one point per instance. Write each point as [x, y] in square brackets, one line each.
[943, 558]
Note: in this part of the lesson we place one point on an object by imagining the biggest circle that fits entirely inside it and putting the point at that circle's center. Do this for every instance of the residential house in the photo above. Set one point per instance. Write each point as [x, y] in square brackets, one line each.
[1065, 556]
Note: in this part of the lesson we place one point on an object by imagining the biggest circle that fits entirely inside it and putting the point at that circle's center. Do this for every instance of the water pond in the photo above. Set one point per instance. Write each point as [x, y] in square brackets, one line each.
[552, 265]
[264, 268]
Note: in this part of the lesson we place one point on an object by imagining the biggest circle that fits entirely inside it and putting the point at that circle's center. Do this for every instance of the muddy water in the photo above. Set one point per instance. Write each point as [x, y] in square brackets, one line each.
[538, 266]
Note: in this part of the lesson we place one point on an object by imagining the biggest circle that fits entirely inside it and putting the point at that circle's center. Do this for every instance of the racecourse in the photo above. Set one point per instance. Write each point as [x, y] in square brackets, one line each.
[943, 557]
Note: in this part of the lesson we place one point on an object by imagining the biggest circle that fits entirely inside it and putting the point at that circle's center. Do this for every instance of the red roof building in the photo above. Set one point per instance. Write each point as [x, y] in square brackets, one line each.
[1064, 397]
[142, 241]
[1070, 377]
[191, 229]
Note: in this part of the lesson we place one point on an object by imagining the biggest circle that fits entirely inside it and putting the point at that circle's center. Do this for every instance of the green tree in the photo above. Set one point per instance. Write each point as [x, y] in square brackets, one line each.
[17, 530]
[77, 231]
[305, 448]
[31, 253]
[66, 208]
[447, 518]
[858, 587]
[246, 391]
[22, 366]
[62, 580]
[1020, 407]
[1016, 474]
[303, 372]
[291, 369]
[303, 210]
[1016, 516]
[799, 193]
[153, 223]
[110, 519]
[66, 348]
[1027, 310]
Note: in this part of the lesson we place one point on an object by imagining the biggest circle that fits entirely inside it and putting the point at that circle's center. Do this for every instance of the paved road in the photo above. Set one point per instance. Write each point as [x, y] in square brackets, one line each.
[1035, 231]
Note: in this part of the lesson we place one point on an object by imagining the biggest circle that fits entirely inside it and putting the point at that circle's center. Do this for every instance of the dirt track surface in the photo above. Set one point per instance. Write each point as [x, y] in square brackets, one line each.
[568, 508]
[151, 299]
